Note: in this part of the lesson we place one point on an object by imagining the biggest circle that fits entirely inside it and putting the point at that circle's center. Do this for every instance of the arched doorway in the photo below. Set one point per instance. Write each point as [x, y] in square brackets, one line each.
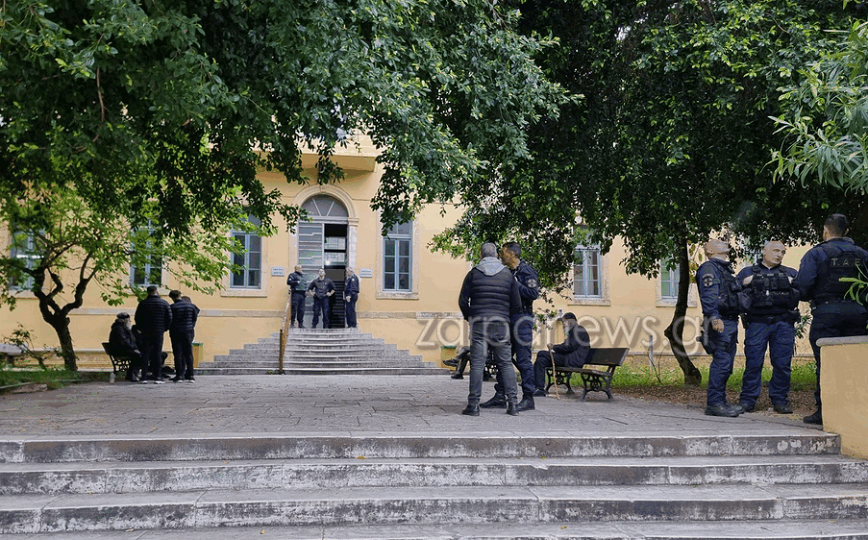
[323, 243]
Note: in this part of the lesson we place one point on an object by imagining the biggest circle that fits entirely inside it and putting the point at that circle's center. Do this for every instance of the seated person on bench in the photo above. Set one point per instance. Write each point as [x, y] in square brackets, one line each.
[571, 353]
[122, 343]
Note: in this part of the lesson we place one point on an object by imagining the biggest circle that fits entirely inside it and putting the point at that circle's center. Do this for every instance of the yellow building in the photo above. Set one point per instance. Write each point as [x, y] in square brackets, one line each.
[408, 294]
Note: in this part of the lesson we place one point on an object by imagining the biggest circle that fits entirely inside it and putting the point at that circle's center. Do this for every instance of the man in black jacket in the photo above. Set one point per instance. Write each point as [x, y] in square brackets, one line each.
[489, 297]
[571, 353]
[181, 332]
[122, 343]
[322, 288]
[153, 318]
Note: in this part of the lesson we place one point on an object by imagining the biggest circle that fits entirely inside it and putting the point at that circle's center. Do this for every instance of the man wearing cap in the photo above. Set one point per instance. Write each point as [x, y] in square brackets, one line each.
[571, 353]
[122, 343]
[322, 288]
[351, 296]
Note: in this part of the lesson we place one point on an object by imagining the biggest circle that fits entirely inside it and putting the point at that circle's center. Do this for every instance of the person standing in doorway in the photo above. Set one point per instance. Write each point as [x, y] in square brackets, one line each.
[351, 296]
[297, 287]
[322, 288]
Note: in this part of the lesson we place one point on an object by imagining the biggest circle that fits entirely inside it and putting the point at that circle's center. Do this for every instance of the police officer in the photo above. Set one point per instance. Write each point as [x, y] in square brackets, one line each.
[718, 293]
[819, 281]
[522, 329]
[297, 286]
[351, 296]
[769, 324]
[322, 288]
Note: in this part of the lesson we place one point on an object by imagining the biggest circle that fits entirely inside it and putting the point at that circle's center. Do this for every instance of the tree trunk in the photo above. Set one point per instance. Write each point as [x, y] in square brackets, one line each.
[675, 331]
[67, 351]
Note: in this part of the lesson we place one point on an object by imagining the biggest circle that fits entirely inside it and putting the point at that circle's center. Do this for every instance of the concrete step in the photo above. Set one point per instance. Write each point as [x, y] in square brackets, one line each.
[394, 505]
[419, 370]
[336, 345]
[349, 353]
[153, 476]
[574, 530]
[298, 363]
[494, 445]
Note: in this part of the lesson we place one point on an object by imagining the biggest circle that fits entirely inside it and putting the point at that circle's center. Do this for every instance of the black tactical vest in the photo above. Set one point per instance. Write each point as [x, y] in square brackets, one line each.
[728, 302]
[840, 263]
[771, 291]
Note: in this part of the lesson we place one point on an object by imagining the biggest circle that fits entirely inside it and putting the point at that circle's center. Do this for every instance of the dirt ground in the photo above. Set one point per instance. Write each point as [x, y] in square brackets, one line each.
[802, 401]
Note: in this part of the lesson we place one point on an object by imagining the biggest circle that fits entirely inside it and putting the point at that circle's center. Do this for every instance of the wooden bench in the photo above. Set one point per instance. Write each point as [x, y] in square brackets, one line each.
[119, 363]
[593, 379]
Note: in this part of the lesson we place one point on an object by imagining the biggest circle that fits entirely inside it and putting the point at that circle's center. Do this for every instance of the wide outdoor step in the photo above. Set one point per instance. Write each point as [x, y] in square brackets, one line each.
[853, 529]
[314, 361]
[212, 508]
[125, 477]
[325, 355]
[419, 370]
[446, 445]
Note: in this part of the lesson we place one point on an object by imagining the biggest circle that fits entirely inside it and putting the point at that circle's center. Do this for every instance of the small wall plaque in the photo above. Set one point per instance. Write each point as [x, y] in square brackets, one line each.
[278, 271]
[366, 272]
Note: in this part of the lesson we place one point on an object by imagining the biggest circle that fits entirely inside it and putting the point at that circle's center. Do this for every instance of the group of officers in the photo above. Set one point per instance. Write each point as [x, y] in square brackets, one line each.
[766, 297]
[497, 298]
[321, 289]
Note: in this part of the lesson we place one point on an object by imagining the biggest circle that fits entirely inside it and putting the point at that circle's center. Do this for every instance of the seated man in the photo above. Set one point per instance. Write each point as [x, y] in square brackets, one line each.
[571, 353]
[123, 344]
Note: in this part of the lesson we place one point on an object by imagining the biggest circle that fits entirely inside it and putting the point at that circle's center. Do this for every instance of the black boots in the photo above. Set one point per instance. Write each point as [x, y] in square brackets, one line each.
[472, 409]
[512, 408]
[526, 403]
[498, 401]
[815, 419]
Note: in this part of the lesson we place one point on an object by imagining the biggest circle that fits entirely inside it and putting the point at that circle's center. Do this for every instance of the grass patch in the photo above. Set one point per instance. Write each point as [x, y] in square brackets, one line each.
[53, 377]
[636, 373]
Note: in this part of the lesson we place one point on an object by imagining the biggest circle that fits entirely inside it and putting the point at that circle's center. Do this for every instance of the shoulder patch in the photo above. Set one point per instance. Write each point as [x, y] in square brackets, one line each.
[708, 280]
[531, 283]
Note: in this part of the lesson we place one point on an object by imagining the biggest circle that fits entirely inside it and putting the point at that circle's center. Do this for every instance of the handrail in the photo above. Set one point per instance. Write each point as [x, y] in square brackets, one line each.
[287, 313]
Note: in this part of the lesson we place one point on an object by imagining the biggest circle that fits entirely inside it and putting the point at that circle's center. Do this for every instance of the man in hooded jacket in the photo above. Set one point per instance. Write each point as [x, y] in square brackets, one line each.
[489, 298]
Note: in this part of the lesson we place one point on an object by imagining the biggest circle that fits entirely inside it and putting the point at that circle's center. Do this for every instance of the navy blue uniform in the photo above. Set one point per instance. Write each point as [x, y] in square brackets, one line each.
[818, 281]
[718, 296]
[298, 286]
[321, 288]
[769, 325]
[522, 329]
[351, 296]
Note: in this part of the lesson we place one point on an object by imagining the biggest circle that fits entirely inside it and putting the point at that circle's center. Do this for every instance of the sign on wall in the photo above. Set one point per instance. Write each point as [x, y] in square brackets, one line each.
[278, 270]
[366, 272]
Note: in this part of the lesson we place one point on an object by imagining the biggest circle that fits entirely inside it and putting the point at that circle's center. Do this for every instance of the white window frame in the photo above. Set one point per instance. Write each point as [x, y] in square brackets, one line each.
[602, 296]
[148, 268]
[670, 301]
[246, 238]
[412, 292]
[28, 253]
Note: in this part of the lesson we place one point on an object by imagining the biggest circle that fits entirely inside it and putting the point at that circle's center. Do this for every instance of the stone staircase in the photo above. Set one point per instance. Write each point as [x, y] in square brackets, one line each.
[319, 351]
[484, 485]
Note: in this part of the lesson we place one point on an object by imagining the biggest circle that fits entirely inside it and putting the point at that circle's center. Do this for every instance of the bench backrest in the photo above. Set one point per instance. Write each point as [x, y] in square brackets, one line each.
[612, 356]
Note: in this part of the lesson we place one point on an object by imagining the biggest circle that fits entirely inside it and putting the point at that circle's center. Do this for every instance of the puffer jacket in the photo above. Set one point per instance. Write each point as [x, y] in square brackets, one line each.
[153, 316]
[489, 291]
[184, 316]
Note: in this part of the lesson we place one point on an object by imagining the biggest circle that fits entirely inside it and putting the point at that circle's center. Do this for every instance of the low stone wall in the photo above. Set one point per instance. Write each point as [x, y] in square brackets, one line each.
[844, 375]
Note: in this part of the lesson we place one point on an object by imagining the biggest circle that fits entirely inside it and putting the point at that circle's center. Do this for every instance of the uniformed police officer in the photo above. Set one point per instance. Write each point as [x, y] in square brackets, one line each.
[718, 293]
[351, 296]
[322, 288]
[522, 329]
[769, 324]
[297, 286]
[819, 281]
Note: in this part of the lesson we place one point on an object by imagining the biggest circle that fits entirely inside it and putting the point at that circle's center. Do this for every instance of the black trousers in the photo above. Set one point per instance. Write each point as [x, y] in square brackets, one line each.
[182, 348]
[322, 305]
[152, 355]
[297, 314]
[350, 310]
